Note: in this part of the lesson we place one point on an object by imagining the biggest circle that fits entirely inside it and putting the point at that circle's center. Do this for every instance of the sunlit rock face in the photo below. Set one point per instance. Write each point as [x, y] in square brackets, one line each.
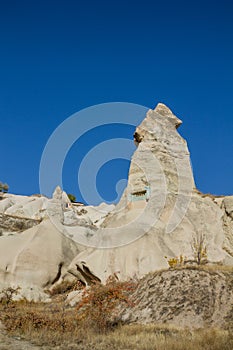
[160, 171]
[35, 258]
[161, 213]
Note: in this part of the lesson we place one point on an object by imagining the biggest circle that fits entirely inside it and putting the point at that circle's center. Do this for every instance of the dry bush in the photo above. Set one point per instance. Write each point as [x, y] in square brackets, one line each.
[100, 304]
[8, 294]
[200, 249]
[178, 261]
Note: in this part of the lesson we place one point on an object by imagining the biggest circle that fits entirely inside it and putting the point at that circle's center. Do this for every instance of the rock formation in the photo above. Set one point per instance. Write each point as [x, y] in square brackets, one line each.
[184, 297]
[161, 214]
[35, 249]
[35, 258]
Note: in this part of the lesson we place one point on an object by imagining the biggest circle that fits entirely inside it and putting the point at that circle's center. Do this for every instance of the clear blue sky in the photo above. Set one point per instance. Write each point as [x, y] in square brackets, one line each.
[58, 57]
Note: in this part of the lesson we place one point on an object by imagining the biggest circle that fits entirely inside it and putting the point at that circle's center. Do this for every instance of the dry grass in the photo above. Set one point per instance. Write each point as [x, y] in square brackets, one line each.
[51, 323]
[207, 267]
[165, 338]
[210, 267]
[56, 326]
[57, 322]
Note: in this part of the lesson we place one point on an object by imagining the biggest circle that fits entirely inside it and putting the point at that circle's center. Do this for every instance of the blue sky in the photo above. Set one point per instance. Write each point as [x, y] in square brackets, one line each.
[58, 57]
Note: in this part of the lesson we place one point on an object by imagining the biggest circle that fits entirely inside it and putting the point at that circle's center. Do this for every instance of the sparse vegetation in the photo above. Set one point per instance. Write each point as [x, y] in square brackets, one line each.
[56, 322]
[178, 261]
[200, 249]
[93, 324]
[53, 326]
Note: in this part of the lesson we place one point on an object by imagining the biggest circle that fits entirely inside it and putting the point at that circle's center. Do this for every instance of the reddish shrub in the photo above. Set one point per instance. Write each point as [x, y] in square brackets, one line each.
[100, 306]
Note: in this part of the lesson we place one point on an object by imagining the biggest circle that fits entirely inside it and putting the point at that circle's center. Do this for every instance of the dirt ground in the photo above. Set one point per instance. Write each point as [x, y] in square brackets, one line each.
[10, 343]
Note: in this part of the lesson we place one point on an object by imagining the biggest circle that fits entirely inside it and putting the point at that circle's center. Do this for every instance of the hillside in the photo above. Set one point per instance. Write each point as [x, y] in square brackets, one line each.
[174, 243]
[193, 297]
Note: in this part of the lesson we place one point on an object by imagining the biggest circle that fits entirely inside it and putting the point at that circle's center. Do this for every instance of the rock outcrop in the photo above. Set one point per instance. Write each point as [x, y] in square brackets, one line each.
[187, 298]
[16, 224]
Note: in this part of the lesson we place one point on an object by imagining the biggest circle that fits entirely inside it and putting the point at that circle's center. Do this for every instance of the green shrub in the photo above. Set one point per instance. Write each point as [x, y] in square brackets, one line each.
[4, 187]
[71, 197]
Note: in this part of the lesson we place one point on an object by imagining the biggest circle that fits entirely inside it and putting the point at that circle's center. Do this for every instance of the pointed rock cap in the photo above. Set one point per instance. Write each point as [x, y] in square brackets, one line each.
[65, 197]
[163, 110]
[57, 194]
